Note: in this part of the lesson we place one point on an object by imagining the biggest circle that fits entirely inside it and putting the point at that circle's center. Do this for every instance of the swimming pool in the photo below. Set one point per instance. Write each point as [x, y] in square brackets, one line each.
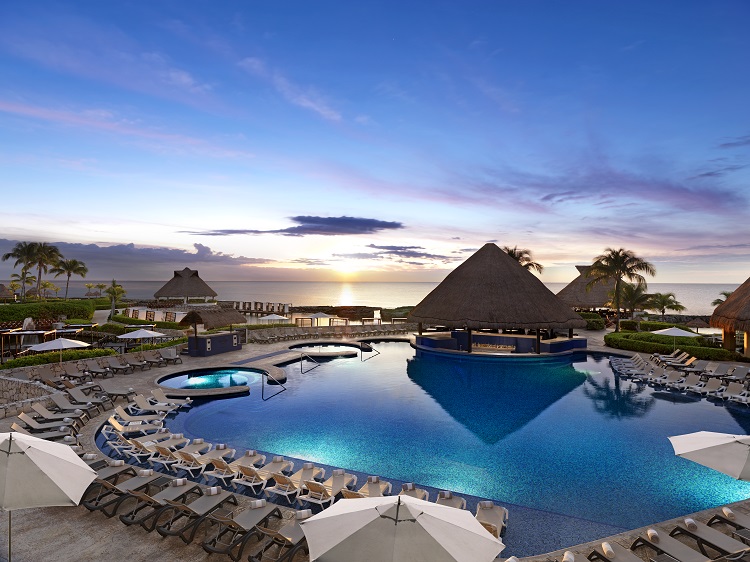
[212, 378]
[572, 452]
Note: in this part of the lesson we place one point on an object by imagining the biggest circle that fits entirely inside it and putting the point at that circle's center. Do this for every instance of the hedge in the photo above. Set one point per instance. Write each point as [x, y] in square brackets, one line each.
[46, 311]
[632, 342]
[54, 357]
[170, 343]
[138, 322]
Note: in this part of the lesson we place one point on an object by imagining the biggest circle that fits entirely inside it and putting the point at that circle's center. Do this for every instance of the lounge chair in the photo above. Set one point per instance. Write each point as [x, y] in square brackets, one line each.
[70, 370]
[34, 426]
[707, 388]
[237, 528]
[283, 486]
[613, 552]
[666, 356]
[662, 543]
[186, 518]
[92, 367]
[162, 398]
[374, 488]
[339, 480]
[681, 358]
[705, 536]
[114, 391]
[153, 358]
[308, 472]
[734, 391]
[691, 380]
[189, 463]
[132, 428]
[107, 497]
[670, 378]
[52, 416]
[118, 365]
[171, 441]
[250, 478]
[278, 464]
[289, 539]
[447, 498]
[739, 374]
[721, 370]
[142, 405]
[493, 517]
[114, 469]
[197, 447]
[126, 417]
[63, 404]
[133, 361]
[145, 512]
[739, 521]
[221, 451]
[52, 435]
[78, 397]
[163, 456]
[221, 472]
[169, 354]
[251, 457]
[316, 493]
[410, 489]
[682, 364]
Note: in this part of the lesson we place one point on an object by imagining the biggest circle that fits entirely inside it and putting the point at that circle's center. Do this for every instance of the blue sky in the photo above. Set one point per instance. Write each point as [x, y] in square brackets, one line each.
[376, 141]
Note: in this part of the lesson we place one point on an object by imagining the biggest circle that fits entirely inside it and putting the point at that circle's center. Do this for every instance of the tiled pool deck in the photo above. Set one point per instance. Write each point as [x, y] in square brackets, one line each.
[60, 533]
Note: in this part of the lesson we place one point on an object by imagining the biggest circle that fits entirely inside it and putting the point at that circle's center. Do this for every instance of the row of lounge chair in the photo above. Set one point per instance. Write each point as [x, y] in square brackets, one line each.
[701, 542]
[271, 335]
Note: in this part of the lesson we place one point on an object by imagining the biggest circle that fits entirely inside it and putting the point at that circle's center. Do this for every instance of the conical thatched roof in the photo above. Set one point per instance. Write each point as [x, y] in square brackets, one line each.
[5, 292]
[734, 313]
[213, 318]
[186, 283]
[492, 290]
[576, 295]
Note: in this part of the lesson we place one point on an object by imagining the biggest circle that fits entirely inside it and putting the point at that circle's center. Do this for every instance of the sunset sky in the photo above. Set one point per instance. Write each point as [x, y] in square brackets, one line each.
[376, 141]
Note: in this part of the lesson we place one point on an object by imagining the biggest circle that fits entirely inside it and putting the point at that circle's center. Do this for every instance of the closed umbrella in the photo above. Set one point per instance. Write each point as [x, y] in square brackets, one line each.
[397, 528]
[58, 344]
[724, 452]
[675, 333]
[39, 473]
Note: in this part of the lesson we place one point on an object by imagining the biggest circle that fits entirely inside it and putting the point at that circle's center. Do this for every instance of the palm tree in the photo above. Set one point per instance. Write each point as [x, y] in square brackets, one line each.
[14, 286]
[613, 402]
[616, 265]
[88, 286]
[633, 296]
[114, 292]
[69, 268]
[23, 253]
[101, 287]
[663, 301]
[725, 294]
[45, 255]
[24, 279]
[46, 287]
[524, 257]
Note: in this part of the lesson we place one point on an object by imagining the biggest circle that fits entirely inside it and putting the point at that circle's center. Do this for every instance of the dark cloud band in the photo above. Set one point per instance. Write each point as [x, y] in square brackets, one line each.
[320, 226]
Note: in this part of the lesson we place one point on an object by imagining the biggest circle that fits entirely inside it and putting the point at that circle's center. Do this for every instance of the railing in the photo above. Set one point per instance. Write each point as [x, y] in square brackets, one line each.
[301, 367]
[269, 376]
[366, 347]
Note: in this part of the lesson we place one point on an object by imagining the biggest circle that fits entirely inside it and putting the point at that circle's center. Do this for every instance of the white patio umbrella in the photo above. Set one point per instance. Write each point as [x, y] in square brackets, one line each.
[319, 315]
[273, 318]
[397, 528]
[141, 334]
[724, 452]
[39, 473]
[58, 344]
[675, 332]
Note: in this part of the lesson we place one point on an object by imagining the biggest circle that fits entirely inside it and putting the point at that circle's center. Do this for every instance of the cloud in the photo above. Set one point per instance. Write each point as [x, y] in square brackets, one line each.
[305, 97]
[737, 142]
[411, 252]
[320, 226]
[719, 172]
[311, 262]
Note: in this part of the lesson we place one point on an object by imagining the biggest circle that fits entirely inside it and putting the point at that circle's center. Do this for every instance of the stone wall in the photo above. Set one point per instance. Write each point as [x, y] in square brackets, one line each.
[17, 395]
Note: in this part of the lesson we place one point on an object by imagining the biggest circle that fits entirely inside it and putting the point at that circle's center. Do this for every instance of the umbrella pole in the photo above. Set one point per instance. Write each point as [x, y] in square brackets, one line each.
[9, 514]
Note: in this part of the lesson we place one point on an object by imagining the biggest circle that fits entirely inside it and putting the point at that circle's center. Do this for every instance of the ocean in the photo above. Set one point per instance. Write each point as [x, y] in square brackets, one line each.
[696, 297]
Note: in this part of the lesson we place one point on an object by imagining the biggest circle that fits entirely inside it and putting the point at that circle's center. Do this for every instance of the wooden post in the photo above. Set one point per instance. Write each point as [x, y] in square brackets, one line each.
[745, 350]
[468, 345]
[538, 341]
[729, 339]
[570, 334]
[419, 328]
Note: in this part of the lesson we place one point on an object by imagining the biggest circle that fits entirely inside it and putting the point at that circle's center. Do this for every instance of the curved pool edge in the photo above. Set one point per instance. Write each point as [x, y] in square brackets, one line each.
[239, 390]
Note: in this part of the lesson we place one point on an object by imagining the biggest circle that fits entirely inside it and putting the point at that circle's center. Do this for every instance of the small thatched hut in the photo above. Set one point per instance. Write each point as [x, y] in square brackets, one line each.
[185, 284]
[733, 315]
[492, 290]
[6, 293]
[577, 294]
[213, 318]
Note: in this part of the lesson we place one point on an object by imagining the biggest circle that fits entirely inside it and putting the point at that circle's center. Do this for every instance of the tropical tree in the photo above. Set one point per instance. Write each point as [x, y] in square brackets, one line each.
[14, 286]
[88, 286]
[101, 287]
[663, 301]
[69, 268]
[46, 287]
[24, 279]
[45, 255]
[614, 402]
[114, 292]
[633, 296]
[23, 253]
[616, 265]
[524, 257]
[725, 294]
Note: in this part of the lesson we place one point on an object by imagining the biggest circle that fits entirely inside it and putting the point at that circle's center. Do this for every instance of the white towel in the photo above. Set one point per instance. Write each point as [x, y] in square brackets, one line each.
[278, 459]
[118, 462]
[690, 524]
[486, 504]
[338, 472]
[303, 514]
[652, 535]
[728, 513]
[251, 453]
[146, 472]
[68, 420]
[608, 550]
[408, 487]
[568, 557]
[255, 504]
[308, 465]
[198, 441]
[373, 479]
[213, 491]
[178, 482]
[89, 456]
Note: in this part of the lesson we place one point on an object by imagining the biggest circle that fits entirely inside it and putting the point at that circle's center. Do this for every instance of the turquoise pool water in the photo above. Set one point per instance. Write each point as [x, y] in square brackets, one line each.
[212, 378]
[571, 450]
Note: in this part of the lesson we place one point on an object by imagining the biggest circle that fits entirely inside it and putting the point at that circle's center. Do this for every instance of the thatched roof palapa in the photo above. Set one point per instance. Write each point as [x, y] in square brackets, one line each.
[213, 318]
[492, 290]
[185, 284]
[734, 313]
[576, 294]
[5, 292]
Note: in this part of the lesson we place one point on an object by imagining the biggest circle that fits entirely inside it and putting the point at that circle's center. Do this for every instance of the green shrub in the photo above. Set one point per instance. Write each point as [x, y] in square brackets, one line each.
[54, 357]
[138, 322]
[46, 311]
[170, 343]
[653, 344]
[595, 323]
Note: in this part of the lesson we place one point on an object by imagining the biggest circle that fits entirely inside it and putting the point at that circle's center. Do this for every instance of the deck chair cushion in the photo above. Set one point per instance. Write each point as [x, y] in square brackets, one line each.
[213, 491]
[255, 504]
[338, 472]
[486, 505]
[303, 514]
[178, 482]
